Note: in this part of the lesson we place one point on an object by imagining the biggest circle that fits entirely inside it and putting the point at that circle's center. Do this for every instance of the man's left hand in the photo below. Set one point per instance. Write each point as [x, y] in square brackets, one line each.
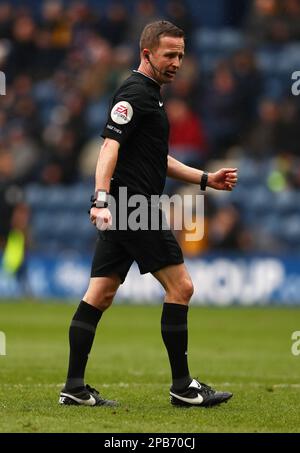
[223, 179]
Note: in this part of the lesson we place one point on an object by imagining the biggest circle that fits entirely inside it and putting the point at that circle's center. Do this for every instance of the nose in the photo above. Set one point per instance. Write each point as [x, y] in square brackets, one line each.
[176, 62]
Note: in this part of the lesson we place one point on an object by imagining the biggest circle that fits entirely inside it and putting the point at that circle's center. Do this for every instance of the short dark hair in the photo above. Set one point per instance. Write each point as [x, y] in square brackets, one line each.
[154, 31]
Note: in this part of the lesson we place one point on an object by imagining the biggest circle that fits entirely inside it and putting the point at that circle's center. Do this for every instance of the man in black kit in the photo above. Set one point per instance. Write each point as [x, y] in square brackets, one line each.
[134, 155]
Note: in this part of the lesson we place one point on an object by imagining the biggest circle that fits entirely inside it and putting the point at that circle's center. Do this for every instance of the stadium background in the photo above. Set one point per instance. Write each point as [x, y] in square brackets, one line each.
[231, 104]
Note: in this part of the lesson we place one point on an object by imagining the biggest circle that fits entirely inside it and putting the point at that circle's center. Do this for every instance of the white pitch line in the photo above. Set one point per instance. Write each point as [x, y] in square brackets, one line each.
[143, 384]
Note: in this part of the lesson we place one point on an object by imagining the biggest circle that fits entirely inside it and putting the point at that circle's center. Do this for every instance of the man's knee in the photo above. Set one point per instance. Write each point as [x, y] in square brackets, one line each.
[187, 289]
[106, 300]
[101, 291]
[181, 292]
[101, 299]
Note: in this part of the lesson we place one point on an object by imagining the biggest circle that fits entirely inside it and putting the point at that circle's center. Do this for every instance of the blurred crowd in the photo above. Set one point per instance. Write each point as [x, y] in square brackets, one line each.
[63, 60]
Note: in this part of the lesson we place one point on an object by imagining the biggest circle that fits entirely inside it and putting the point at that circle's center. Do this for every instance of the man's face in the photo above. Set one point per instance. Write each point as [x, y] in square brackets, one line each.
[167, 58]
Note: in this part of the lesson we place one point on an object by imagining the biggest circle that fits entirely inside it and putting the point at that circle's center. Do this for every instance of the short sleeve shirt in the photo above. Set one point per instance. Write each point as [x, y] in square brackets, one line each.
[138, 121]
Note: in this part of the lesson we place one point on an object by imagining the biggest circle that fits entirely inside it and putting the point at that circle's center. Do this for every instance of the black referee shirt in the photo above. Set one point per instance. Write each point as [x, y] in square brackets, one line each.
[138, 121]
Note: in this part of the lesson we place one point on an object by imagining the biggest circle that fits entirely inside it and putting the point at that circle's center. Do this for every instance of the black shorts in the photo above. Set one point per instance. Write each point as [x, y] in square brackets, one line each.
[152, 250]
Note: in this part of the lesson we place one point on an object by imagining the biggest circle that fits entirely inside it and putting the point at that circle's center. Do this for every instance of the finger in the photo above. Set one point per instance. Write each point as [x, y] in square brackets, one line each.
[106, 224]
[231, 174]
[94, 212]
[231, 180]
[99, 222]
[231, 170]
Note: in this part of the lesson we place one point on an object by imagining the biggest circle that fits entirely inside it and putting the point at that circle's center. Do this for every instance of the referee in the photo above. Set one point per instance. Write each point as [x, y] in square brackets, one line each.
[134, 155]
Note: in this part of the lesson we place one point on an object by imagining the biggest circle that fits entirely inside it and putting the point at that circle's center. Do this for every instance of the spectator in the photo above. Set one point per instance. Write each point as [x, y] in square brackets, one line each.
[262, 139]
[177, 13]
[5, 21]
[61, 166]
[222, 110]
[114, 26]
[287, 133]
[225, 230]
[266, 23]
[187, 136]
[291, 11]
[23, 54]
[249, 82]
[14, 222]
[145, 11]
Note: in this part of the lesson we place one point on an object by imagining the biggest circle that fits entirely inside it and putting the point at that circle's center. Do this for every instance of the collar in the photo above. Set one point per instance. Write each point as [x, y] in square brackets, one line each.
[139, 72]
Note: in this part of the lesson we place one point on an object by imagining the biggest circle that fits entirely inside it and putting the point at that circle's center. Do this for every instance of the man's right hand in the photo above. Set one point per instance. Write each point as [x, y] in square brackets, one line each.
[101, 218]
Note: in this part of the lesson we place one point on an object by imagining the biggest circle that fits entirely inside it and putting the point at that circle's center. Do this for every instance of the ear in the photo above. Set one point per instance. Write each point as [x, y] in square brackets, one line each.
[146, 54]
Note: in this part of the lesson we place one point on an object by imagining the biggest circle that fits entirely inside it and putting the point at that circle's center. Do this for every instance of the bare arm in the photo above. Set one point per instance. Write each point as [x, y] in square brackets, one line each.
[180, 171]
[106, 163]
[223, 179]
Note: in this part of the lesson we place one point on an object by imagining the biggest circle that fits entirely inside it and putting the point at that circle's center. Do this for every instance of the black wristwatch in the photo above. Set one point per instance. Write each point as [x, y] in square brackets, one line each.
[100, 199]
[204, 179]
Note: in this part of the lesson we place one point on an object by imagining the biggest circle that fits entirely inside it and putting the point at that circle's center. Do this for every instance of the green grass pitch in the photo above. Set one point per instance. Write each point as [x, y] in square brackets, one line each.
[245, 350]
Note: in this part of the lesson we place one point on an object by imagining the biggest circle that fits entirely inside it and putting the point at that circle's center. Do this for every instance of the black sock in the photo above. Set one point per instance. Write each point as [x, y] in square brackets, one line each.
[175, 336]
[81, 336]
